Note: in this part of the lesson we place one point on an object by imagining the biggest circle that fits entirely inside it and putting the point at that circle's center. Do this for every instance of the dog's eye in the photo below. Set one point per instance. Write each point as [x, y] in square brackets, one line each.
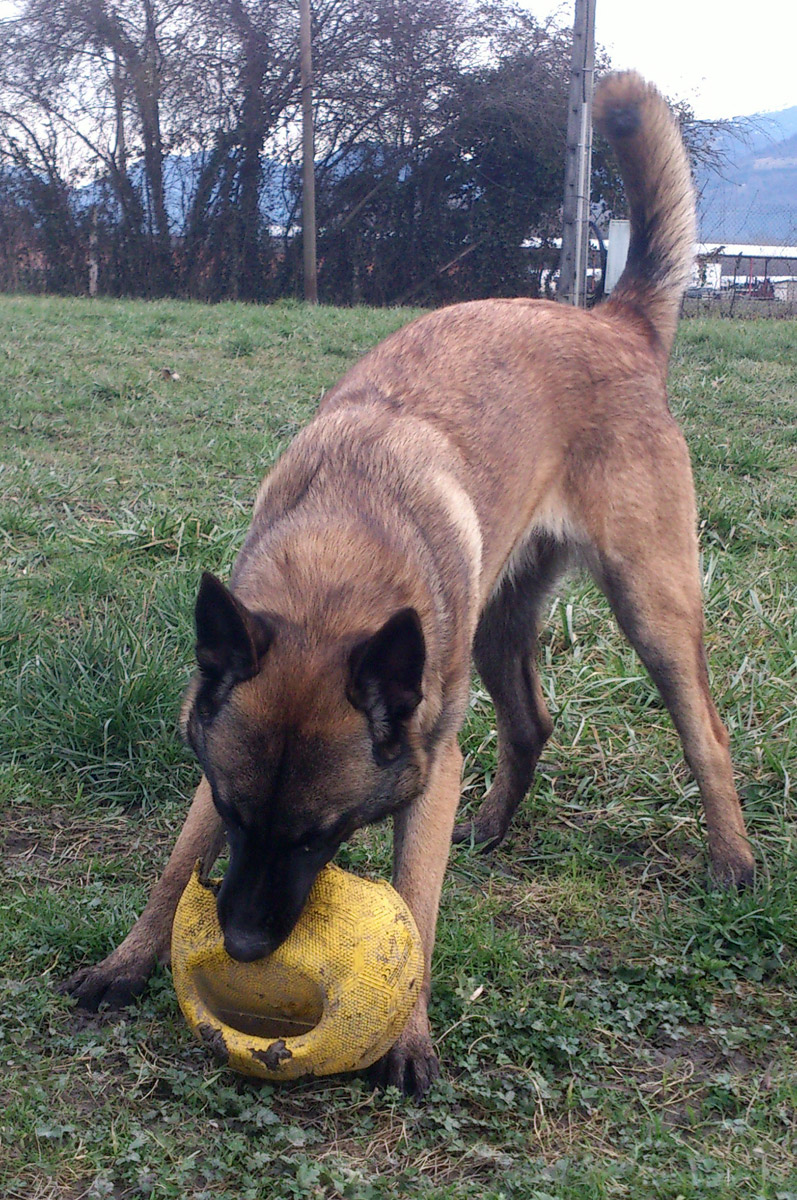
[325, 840]
[229, 815]
[313, 843]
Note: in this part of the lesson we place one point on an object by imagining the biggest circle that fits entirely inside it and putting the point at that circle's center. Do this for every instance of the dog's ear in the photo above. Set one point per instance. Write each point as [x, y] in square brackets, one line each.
[230, 640]
[386, 673]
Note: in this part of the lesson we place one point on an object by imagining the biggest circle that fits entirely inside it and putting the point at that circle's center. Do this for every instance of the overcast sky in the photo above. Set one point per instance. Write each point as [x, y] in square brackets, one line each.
[726, 57]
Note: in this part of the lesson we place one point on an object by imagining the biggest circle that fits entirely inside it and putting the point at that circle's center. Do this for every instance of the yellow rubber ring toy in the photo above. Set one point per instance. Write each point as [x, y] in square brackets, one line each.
[333, 998]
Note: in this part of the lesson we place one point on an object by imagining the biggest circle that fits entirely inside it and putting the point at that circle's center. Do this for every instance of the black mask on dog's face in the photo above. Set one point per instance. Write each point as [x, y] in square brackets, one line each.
[300, 749]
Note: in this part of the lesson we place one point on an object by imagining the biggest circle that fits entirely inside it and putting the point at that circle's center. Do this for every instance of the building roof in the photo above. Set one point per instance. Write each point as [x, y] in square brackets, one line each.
[737, 250]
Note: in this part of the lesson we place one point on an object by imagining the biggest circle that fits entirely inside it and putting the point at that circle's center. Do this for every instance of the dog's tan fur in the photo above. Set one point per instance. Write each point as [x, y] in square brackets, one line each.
[451, 475]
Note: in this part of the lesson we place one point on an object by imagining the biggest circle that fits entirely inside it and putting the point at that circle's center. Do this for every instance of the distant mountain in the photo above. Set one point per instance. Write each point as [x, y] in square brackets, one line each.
[180, 176]
[279, 194]
[754, 198]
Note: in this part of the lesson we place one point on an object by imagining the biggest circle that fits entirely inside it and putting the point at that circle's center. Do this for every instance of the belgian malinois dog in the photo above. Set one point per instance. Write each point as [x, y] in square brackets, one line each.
[416, 523]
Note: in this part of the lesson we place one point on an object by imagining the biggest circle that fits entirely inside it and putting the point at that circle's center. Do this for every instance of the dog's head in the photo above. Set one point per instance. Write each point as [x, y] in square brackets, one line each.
[303, 741]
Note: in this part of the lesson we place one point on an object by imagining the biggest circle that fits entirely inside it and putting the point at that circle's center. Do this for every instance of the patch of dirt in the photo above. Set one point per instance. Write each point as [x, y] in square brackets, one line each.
[702, 1056]
[677, 1076]
[22, 843]
[59, 838]
[81, 1019]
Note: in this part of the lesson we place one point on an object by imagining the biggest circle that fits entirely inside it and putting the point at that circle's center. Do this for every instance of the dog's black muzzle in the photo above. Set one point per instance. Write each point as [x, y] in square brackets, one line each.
[263, 893]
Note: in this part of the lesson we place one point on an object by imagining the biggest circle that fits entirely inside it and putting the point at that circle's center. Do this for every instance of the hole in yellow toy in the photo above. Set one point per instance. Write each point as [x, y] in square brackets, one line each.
[264, 1027]
[238, 1002]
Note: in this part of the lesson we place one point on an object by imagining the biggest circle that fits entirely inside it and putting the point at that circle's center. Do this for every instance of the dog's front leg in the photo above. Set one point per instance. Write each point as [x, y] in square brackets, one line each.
[124, 973]
[422, 836]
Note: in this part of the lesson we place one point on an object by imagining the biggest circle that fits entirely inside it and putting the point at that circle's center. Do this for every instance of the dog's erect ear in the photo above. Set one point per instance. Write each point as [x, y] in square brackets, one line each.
[386, 673]
[230, 640]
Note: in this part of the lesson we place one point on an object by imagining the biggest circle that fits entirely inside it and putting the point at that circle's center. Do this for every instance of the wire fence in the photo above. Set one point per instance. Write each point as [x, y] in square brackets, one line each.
[734, 306]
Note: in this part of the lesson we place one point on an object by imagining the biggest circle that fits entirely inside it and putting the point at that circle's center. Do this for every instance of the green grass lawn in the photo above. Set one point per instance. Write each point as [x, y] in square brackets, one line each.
[609, 1026]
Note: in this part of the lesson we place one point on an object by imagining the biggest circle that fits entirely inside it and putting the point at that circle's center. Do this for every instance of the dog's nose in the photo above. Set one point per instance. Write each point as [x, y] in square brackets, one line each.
[247, 945]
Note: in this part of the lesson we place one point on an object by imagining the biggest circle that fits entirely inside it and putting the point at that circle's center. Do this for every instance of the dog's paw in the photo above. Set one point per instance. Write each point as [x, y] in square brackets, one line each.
[105, 984]
[734, 874]
[484, 834]
[732, 861]
[411, 1066]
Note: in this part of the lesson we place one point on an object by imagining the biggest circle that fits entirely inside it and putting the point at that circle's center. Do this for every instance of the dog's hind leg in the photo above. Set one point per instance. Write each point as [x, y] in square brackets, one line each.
[505, 653]
[656, 597]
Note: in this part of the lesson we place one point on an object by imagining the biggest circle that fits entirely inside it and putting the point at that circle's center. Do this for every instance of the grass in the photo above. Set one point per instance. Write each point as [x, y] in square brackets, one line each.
[609, 1025]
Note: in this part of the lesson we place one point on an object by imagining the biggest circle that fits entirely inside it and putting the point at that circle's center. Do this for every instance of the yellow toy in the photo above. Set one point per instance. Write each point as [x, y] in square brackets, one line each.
[334, 997]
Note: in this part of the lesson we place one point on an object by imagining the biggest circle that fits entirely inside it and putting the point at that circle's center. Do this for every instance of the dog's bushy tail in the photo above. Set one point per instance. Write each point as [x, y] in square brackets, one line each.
[636, 121]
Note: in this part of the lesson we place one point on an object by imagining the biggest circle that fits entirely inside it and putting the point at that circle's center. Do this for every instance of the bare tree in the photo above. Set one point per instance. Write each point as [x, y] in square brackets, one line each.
[433, 196]
[174, 125]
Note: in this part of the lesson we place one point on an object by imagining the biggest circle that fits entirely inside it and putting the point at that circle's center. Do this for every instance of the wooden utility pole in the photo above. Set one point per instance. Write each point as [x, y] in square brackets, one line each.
[308, 156]
[578, 162]
[94, 258]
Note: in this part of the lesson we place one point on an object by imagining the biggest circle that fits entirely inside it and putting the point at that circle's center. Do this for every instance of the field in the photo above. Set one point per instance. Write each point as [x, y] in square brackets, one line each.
[609, 1025]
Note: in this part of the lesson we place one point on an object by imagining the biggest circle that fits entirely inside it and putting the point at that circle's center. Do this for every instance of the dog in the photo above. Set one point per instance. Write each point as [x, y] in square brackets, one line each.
[417, 523]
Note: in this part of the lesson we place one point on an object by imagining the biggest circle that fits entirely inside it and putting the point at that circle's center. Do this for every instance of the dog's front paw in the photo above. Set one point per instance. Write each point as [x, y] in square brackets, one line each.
[114, 984]
[411, 1065]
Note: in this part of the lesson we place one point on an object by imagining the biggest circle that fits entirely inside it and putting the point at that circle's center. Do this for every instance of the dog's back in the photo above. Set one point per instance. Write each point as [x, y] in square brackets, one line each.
[541, 403]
